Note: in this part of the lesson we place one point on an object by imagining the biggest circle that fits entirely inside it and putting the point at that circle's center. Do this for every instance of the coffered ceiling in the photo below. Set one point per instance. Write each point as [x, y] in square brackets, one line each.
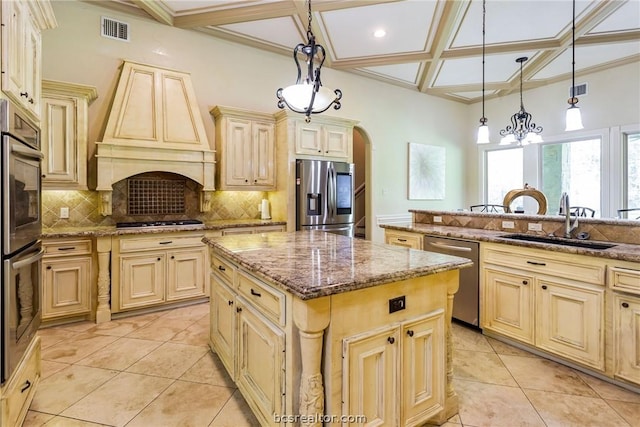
[431, 46]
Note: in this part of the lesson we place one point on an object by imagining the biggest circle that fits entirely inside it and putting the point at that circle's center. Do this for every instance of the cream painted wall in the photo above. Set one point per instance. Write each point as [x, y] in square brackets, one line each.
[613, 100]
[225, 73]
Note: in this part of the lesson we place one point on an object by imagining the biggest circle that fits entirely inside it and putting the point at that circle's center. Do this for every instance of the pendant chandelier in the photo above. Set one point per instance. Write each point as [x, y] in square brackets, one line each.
[483, 129]
[573, 118]
[308, 96]
[522, 129]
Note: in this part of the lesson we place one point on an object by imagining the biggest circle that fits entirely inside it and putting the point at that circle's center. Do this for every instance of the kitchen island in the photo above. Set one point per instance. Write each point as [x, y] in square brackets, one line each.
[316, 328]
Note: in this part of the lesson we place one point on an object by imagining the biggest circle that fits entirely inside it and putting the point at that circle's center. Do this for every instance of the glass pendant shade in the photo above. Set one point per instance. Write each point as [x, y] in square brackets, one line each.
[298, 97]
[483, 134]
[573, 118]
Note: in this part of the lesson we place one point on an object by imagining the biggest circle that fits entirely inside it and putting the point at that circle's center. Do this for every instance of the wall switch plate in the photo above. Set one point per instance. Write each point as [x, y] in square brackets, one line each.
[64, 213]
[437, 219]
[396, 304]
[508, 224]
[533, 226]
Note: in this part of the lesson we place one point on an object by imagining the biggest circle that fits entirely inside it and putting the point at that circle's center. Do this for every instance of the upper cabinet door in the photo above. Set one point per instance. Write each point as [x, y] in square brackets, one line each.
[263, 154]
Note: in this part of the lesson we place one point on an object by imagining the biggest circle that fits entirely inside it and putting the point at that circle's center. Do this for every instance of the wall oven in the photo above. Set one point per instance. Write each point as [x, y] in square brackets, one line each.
[21, 232]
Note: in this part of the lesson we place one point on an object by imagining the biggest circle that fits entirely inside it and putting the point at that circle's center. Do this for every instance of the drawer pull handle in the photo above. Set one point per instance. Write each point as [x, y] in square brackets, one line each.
[544, 286]
[238, 309]
[391, 340]
[258, 294]
[525, 282]
[536, 263]
[401, 240]
[221, 268]
[625, 305]
[168, 242]
[67, 248]
[26, 386]
[410, 332]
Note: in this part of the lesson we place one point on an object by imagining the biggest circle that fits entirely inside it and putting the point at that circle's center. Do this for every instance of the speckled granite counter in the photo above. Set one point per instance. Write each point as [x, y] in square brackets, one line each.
[101, 231]
[314, 264]
[621, 251]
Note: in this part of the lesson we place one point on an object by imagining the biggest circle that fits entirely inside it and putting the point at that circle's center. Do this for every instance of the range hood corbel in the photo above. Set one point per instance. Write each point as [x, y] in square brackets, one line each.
[154, 125]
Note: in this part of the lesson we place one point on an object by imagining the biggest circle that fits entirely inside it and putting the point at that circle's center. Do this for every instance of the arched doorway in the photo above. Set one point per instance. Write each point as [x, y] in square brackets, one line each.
[362, 161]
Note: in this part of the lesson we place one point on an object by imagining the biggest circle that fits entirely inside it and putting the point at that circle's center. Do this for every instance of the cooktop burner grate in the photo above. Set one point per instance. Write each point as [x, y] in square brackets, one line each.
[169, 223]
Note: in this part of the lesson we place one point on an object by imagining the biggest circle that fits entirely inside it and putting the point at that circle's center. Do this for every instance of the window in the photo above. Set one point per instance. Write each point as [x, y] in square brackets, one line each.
[504, 173]
[632, 171]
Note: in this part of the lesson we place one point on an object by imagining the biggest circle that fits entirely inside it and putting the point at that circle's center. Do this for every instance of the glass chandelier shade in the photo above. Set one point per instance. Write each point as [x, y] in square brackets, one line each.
[522, 129]
[307, 96]
[483, 130]
[573, 118]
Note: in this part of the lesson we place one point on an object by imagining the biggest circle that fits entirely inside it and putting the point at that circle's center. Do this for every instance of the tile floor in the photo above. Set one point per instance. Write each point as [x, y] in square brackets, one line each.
[156, 370]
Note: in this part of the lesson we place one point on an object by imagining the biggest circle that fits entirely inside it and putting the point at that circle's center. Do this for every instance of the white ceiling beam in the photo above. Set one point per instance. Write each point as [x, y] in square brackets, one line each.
[157, 9]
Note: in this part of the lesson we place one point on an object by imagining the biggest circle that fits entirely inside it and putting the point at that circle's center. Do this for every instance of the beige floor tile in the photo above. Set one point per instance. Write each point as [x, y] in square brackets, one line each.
[571, 410]
[122, 327]
[57, 421]
[73, 350]
[209, 370]
[79, 326]
[161, 329]
[169, 360]
[543, 374]
[487, 405]
[629, 411]
[236, 413]
[196, 334]
[610, 391]
[480, 366]
[191, 313]
[116, 402]
[53, 336]
[36, 419]
[183, 404]
[64, 388]
[465, 338]
[49, 368]
[121, 354]
[503, 348]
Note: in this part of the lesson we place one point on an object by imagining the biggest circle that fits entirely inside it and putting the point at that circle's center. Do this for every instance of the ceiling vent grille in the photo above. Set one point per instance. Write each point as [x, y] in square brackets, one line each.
[113, 29]
[579, 90]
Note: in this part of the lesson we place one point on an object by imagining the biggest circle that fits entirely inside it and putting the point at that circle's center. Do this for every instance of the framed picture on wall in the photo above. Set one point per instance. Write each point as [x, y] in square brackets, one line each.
[426, 172]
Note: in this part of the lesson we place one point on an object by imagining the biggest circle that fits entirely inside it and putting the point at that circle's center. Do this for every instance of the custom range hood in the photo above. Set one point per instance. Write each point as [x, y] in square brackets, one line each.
[154, 125]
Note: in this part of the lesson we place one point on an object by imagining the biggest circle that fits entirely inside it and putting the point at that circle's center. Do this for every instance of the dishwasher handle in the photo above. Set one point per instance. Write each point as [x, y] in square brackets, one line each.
[450, 247]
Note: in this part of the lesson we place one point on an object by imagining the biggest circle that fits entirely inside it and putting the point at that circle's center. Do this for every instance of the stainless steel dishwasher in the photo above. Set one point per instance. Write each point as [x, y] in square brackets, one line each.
[466, 302]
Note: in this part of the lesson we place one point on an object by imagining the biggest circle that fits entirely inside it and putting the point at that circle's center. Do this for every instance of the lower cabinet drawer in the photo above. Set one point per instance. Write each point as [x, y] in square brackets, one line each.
[22, 386]
[625, 279]
[270, 300]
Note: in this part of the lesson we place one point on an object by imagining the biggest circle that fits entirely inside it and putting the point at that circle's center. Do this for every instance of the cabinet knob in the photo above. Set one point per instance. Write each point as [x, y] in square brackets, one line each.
[410, 332]
[525, 282]
[44, 176]
[327, 151]
[319, 151]
[48, 267]
[255, 181]
[158, 258]
[246, 180]
[30, 100]
[391, 340]
[173, 257]
[544, 286]
[625, 305]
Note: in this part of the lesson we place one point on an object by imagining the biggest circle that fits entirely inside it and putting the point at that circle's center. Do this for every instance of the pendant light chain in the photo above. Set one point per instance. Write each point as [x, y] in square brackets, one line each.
[484, 12]
[573, 57]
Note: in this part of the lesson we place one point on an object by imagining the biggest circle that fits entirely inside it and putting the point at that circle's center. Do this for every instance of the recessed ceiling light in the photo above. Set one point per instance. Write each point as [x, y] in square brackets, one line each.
[379, 33]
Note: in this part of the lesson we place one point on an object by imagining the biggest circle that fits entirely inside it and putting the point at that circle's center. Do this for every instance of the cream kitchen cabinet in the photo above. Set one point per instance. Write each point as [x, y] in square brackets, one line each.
[67, 278]
[150, 271]
[22, 23]
[17, 393]
[324, 140]
[403, 238]
[552, 301]
[398, 366]
[245, 141]
[65, 127]
[253, 230]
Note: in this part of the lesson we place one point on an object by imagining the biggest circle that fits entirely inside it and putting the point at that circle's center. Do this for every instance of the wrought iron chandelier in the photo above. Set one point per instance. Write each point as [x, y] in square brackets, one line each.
[308, 96]
[483, 129]
[522, 129]
[573, 117]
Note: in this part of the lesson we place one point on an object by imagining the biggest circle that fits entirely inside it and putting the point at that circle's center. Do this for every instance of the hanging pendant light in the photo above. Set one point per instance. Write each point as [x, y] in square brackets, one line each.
[522, 129]
[483, 129]
[573, 117]
[308, 96]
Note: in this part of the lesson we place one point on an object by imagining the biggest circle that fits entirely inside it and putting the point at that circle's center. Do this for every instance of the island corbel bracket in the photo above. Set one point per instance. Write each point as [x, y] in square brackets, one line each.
[312, 318]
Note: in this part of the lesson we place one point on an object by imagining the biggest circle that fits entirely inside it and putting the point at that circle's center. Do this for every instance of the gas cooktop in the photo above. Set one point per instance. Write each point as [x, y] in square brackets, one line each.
[170, 223]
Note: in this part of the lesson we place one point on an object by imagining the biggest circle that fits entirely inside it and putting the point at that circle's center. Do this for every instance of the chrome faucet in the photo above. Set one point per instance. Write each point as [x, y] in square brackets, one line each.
[564, 210]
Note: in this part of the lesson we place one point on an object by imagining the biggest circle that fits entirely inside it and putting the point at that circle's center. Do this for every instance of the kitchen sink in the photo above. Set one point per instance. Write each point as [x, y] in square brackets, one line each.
[558, 241]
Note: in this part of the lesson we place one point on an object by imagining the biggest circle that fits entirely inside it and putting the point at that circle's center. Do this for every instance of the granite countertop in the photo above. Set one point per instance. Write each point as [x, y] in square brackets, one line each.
[621, 251]
[111, 230]
[311, 264]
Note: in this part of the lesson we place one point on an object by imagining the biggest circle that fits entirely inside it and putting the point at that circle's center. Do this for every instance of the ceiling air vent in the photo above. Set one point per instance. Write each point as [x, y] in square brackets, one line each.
[115, 29]
[579, 90]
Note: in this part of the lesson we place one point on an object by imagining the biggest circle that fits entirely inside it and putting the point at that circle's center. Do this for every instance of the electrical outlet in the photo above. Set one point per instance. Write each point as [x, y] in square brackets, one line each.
[437, 219]
[533, 226]
[396, 304]
[508, 224]
[64, 213]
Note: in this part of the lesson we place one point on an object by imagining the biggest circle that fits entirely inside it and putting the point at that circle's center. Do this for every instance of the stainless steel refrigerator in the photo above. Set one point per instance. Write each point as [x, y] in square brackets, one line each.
[324, 196]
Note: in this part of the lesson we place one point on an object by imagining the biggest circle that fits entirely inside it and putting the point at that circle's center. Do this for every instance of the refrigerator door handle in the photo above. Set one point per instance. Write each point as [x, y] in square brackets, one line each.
[331, 186]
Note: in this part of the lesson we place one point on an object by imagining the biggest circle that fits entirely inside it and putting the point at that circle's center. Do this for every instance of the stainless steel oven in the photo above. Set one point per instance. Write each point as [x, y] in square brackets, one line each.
[21, 216]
